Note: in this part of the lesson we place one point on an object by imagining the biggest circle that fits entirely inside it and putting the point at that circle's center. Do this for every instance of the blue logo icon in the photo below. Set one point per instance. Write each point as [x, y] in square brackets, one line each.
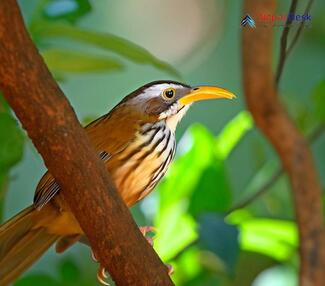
[248, 21]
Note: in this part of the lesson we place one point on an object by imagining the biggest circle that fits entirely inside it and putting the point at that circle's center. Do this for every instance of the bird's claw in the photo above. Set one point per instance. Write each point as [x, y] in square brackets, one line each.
[170, 269]
[101, 273]
[145, 229]
[93, 256]
[102, 276]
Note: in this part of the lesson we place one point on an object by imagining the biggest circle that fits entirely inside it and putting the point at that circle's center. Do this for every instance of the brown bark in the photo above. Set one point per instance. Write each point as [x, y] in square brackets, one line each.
[53, 127]
[271, 117]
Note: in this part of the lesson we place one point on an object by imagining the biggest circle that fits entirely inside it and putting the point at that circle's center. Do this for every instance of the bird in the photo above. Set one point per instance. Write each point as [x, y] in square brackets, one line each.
[135, 140]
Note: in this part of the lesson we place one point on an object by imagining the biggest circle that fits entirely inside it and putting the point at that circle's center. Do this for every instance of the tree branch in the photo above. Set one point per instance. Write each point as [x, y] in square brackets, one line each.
[53, 127]
[271, 117]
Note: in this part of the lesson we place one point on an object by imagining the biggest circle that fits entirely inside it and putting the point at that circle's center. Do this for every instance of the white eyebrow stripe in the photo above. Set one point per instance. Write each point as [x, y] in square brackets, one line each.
[156, 89]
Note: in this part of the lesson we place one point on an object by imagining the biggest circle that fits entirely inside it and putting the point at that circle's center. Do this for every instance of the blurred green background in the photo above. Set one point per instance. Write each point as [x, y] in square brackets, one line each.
[99, 51]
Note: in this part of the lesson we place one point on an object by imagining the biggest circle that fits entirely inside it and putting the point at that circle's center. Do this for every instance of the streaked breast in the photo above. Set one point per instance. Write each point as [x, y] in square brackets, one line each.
[144, 162]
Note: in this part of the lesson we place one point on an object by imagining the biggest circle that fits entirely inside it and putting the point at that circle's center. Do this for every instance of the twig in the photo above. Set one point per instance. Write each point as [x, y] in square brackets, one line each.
[284, 50]
[183, 250]
[298, 32]
[261, 191]
[284, 39]
[274, 177]
[316, 134]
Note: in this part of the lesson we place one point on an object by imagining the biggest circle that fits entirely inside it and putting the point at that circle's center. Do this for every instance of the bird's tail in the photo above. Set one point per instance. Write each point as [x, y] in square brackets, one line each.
[22, 242]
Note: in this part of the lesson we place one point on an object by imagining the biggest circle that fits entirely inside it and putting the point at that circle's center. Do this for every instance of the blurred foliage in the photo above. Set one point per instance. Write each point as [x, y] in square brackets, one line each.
[206, 239]
[185, 202]
[319, 99]
[62, 60]
[307, 115]
[225, 246]
[11, 147]
[272, 237]
[111, 43]
[68, 273]
[68, 10]
[54, 19]
[316, 35]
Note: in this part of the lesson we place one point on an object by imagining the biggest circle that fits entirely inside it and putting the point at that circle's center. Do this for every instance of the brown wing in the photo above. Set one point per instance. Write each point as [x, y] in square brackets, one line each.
[110, 135]
[45, 191]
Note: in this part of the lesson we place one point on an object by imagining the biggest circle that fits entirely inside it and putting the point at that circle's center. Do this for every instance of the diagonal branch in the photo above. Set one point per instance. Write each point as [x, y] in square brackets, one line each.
[286, 49]
[53, 127]
[260, 192]
[274, 177]
[300, 28]
[271, 117]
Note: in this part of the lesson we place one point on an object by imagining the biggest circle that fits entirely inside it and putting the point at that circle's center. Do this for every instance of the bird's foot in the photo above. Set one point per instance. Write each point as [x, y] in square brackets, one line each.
[144, 230]
[93, 256]
[101, 273]
[170, 269]
[148, 229]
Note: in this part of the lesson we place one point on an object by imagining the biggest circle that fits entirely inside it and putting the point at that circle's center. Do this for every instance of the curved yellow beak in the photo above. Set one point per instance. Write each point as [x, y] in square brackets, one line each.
[204, 93]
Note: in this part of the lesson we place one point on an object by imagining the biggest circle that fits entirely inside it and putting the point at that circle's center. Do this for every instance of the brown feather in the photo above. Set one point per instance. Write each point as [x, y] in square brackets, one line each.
[22, 242]
[109, 133]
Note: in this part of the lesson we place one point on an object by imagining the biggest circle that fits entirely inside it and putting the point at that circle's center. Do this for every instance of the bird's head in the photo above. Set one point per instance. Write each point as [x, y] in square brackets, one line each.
[169, 100]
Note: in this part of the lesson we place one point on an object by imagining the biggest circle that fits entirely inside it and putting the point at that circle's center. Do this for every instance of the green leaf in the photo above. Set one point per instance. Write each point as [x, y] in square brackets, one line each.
[4, 106]
[197, 148]
[319, 100]
[232, 133]
[177, 230]
[37, 280]
[212, 193]
[275, 238]
[11, 142]
[11, 146]
[69, 271]
[105, 41]
[69, 10]
[220, 238]
[62, 60]
[249, 266]
[206, 278]
[195, 183]
[200, 150]
[187, 266]
[196, 189]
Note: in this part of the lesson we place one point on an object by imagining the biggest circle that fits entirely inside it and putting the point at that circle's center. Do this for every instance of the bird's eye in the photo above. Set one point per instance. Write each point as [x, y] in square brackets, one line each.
[169, 93]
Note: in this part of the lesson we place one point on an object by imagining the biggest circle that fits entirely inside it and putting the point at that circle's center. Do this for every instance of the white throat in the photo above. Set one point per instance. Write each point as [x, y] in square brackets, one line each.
[174, 118]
